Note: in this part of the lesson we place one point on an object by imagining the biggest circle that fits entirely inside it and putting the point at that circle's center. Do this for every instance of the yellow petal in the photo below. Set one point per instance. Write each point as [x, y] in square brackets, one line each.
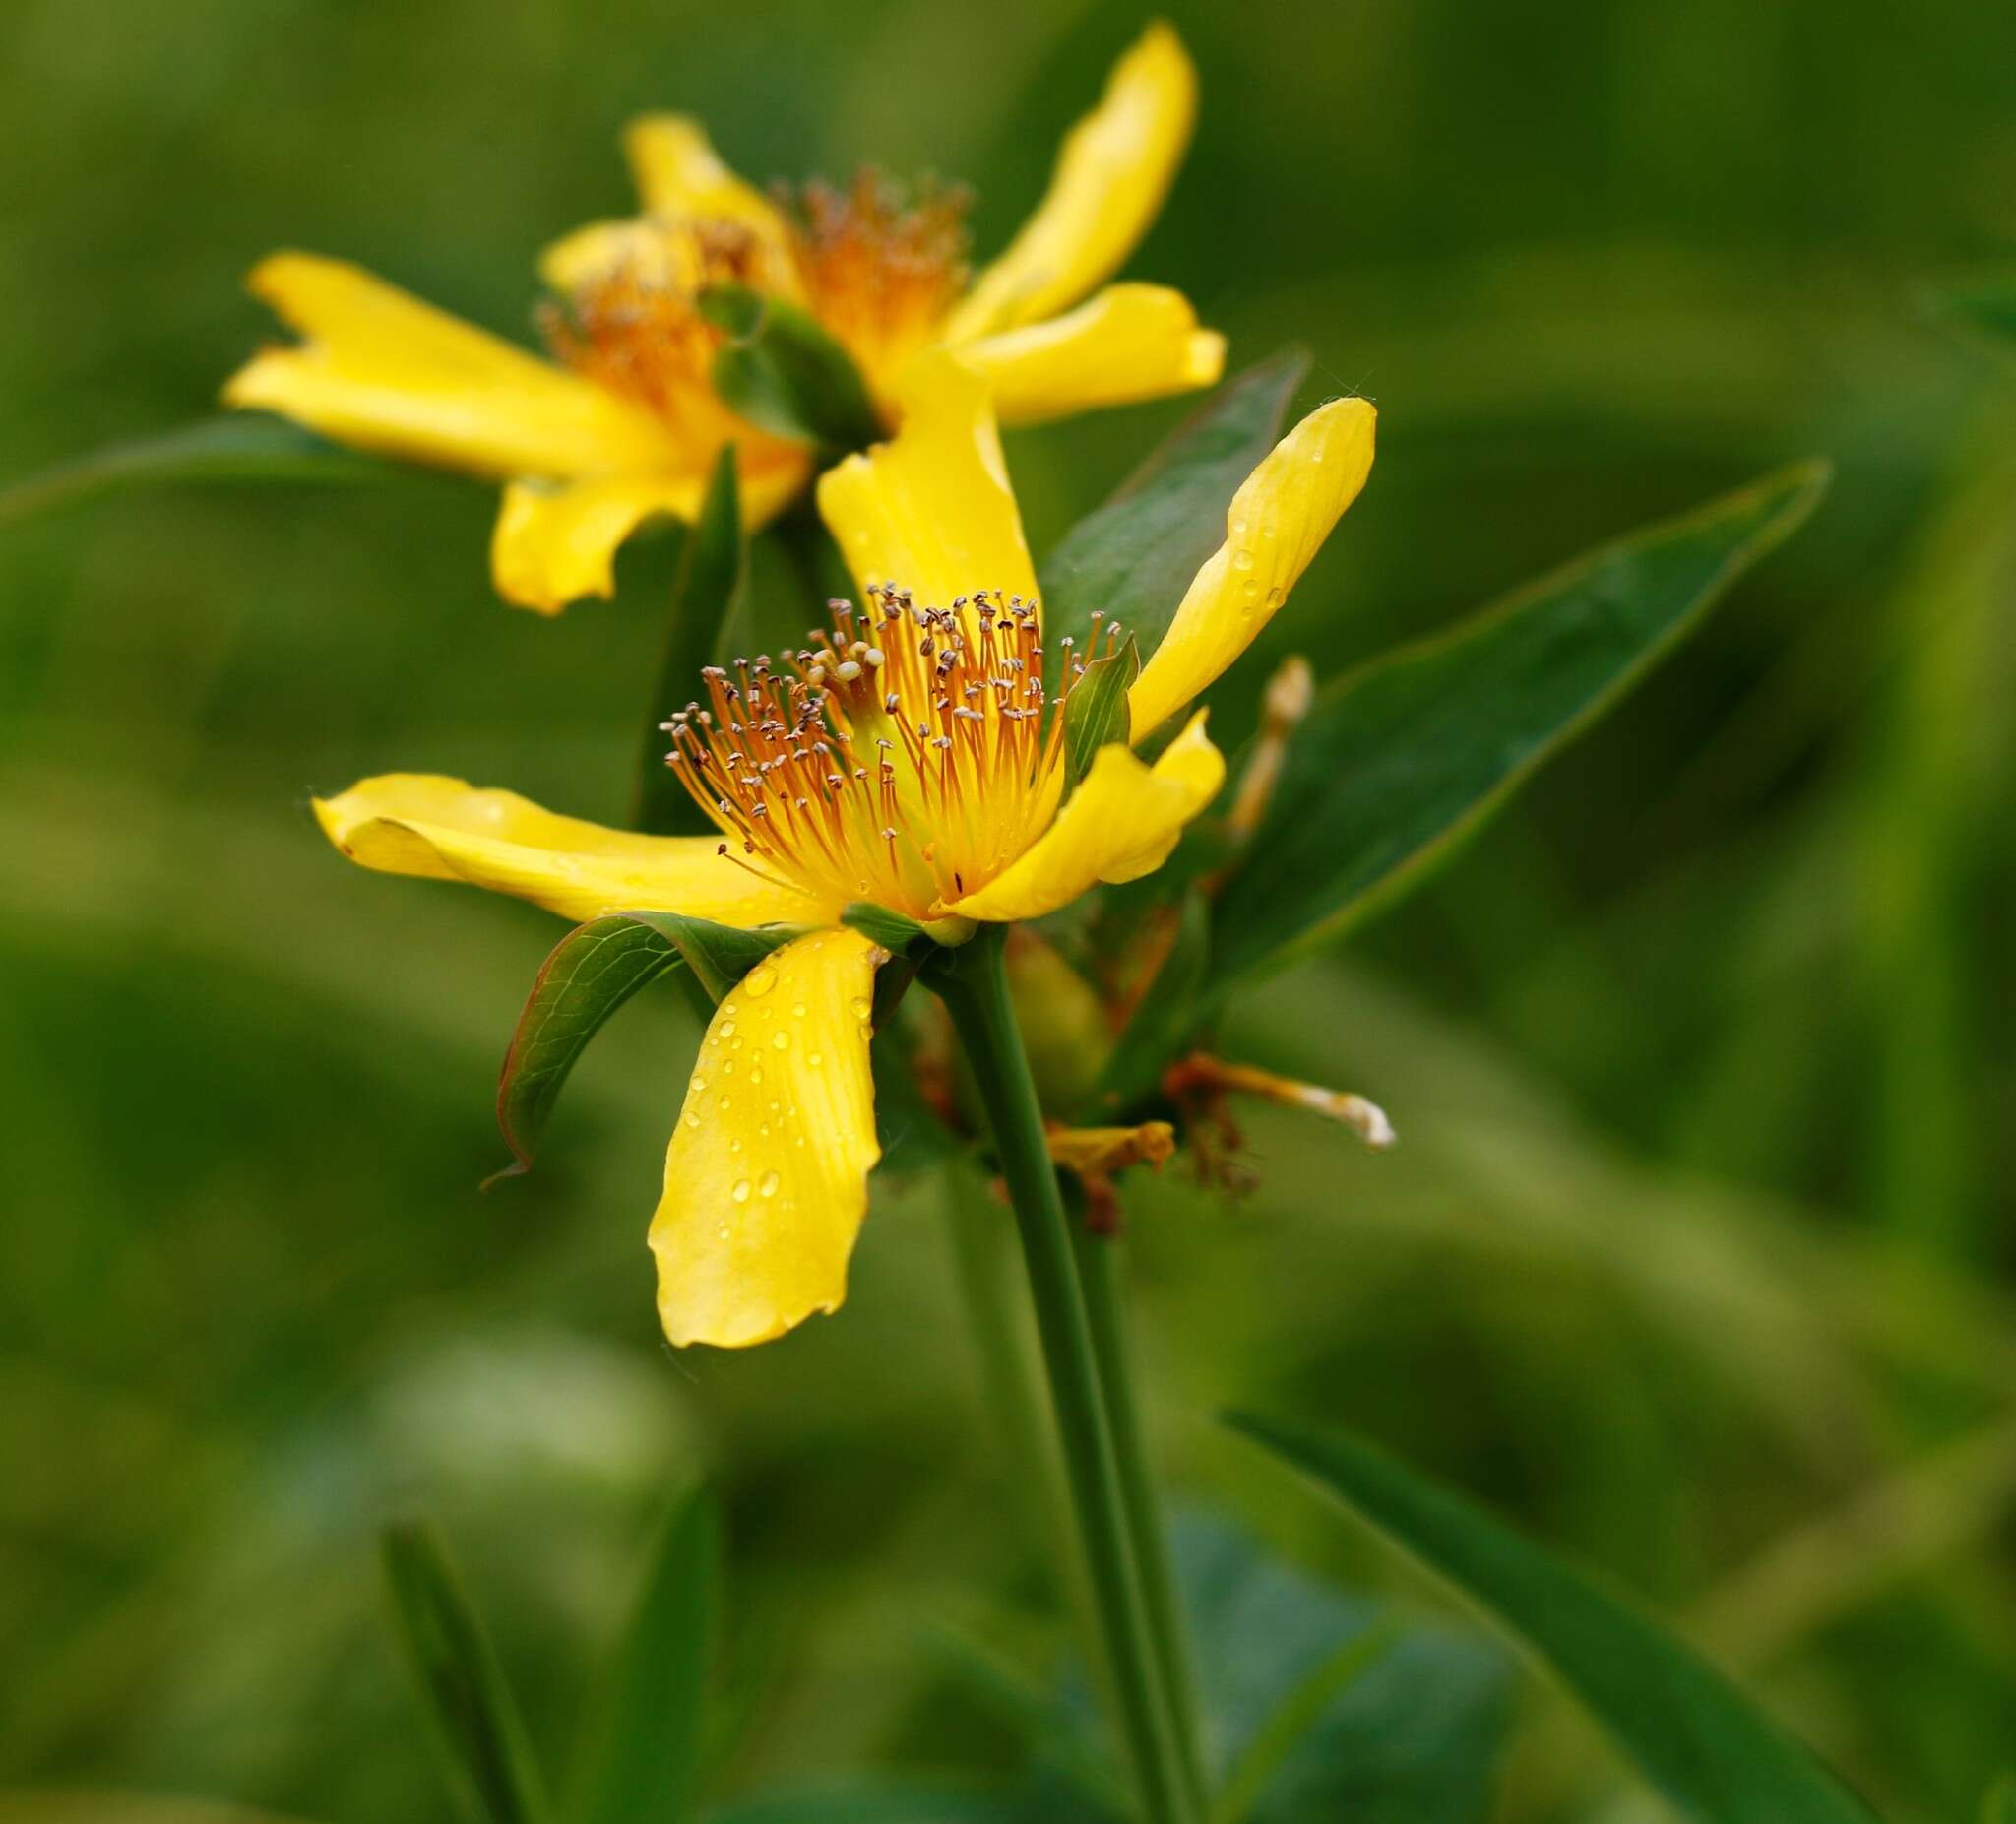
[1127, 343]
[766, 1176]
[1119, 824]
[933, 509]
[385, 372]
[679, 174]
[445, 829]
[555, 542]
[1277, 522]
[1112, 175]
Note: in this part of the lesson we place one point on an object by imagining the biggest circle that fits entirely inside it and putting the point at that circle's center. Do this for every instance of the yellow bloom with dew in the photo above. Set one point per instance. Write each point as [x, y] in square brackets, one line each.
[624, 424]
[909, 757]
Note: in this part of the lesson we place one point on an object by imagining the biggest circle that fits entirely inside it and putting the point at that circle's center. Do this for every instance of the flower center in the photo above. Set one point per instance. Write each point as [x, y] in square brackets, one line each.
[881, 264]
[633, 324]
[906, 757]
[877, 265]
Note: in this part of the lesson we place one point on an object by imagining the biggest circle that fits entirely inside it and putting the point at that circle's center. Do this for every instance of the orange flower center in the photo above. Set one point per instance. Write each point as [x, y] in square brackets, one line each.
[880, 266]
[635, 327]
[878, 269]
[905, 758]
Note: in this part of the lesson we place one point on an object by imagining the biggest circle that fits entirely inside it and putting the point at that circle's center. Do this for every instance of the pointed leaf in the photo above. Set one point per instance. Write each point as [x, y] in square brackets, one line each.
[591, 972]
[1399, 759]
[702, 620]
[1133, 558]
[647, 1756]
[488, 1759]
[235, 449]
[781, 370]
[1096, 711]
[1706, 1746]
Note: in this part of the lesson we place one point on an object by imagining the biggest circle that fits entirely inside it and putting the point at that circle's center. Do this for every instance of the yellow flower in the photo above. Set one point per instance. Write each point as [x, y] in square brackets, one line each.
[623, 424]
[906, 758]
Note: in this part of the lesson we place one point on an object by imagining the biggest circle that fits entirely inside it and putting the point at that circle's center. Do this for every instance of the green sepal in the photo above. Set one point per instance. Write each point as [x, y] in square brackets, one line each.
[705, 616]
[588, 974]
[487, 1757]
[1096, 711]
[1400, 759]
[897, 936]
[786, 375]
[719, 955]
[1714, 1754]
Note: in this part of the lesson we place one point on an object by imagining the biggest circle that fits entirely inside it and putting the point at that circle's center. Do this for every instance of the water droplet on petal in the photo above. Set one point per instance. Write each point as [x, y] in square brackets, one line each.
[692, 1121]
[740, 1193]
[782, 1042]
[1242, 560]
[760, 980]
[726, 1029]
[699, 1084]
[755, 1073]
[863, 1008]
[722, 1234]
[798, 1011]
[770, 1183]
[816, 1059]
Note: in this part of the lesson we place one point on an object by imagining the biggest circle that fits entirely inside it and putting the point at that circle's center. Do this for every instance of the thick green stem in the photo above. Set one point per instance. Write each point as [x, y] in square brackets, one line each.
[1098, 1276]
[975, 988]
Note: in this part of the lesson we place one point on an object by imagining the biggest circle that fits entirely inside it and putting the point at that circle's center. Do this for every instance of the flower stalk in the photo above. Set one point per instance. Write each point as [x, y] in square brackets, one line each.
[974, 985]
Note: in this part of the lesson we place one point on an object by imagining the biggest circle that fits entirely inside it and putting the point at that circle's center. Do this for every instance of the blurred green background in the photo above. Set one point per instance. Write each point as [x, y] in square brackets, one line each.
[1696, 1255]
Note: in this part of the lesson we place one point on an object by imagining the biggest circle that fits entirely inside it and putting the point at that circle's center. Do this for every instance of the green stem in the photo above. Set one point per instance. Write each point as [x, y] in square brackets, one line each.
[1098, 1276]
[972, 984]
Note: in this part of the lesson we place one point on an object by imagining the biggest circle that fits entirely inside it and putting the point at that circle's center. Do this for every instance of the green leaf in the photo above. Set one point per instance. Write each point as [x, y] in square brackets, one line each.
[1096, 711]
[785, 374]
[708, 605]
[488, 1759]
[234, 449]
[1297, 1713]
[1132, 559]
[1711, 1751]
[591, 972]
[1313, 1687]
[1399, 759]
[719, 955]
[2000, 1806]
[648, 1725]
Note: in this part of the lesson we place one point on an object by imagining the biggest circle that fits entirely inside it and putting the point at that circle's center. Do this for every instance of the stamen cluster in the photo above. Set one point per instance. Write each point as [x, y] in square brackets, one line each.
[878, 266]
[905, 756]
[636, 326]
[881, 262]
